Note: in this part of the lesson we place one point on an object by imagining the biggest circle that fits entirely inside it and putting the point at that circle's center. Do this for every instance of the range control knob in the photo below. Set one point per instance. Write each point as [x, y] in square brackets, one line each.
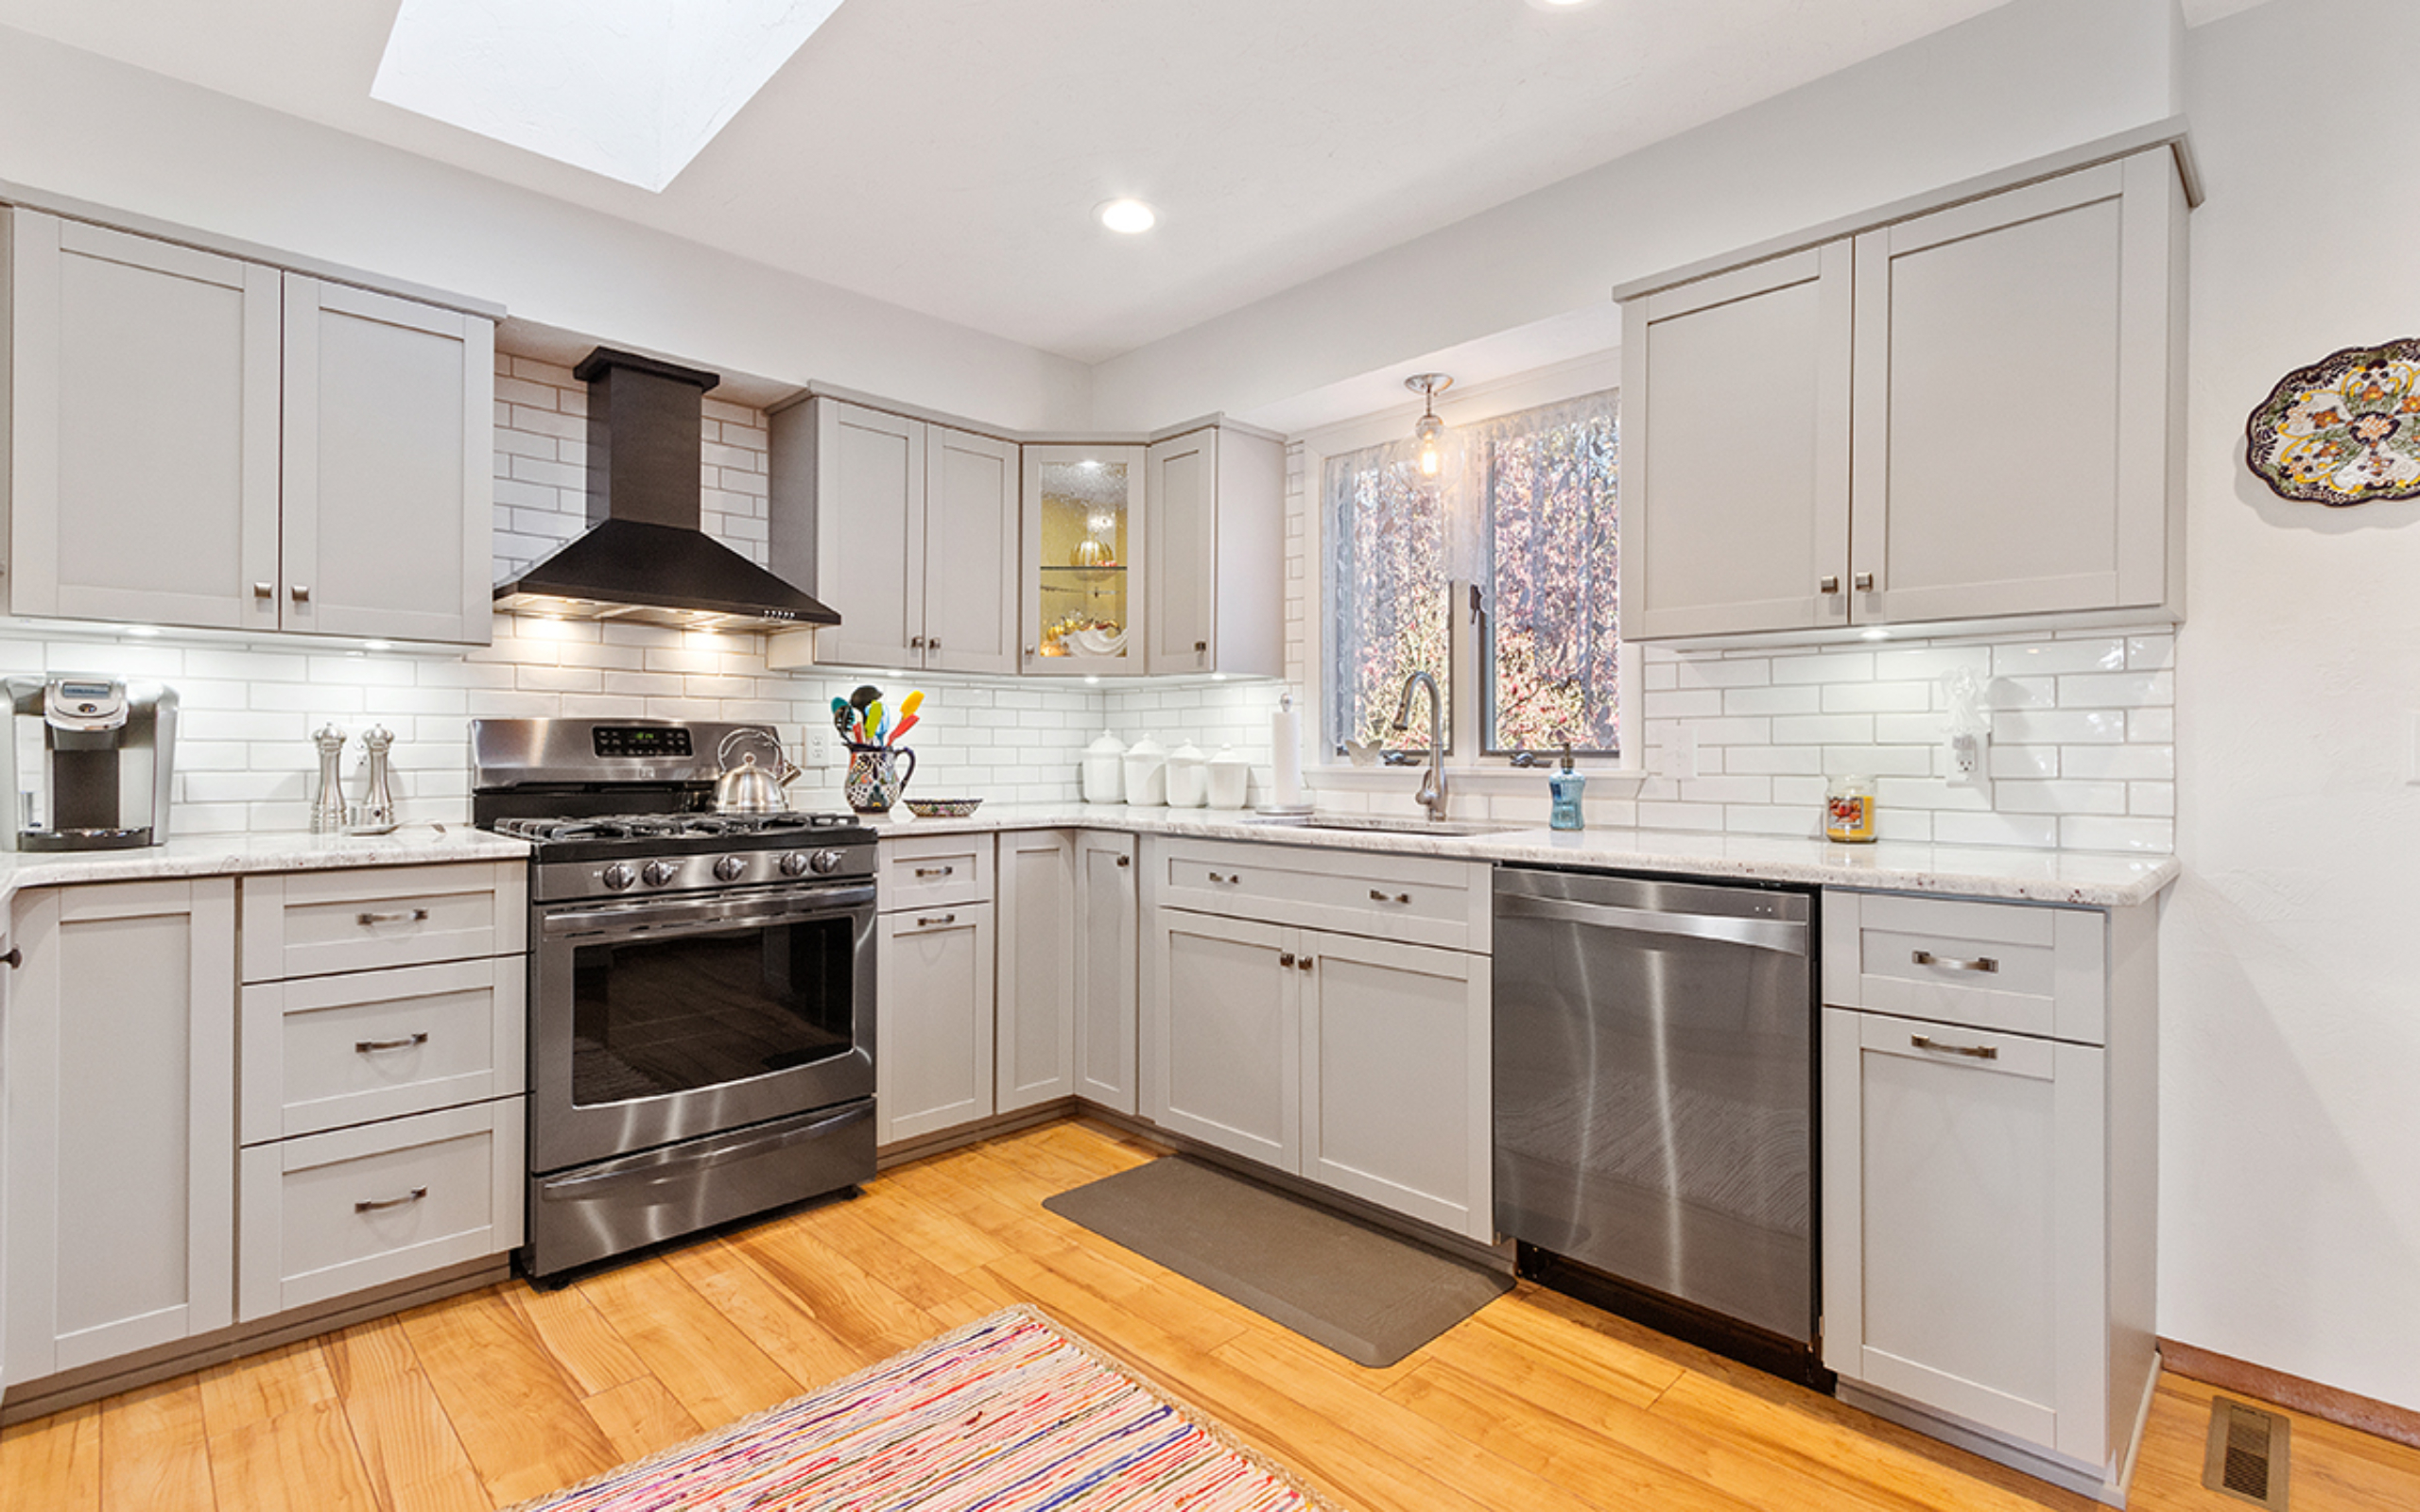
[794, 864]
[728, 869]
[619, 875]
[826, 863]
[656, 873]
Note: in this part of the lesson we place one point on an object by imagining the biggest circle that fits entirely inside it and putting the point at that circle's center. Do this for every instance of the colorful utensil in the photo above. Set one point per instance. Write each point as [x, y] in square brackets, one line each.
[904, 726]
[908, 706]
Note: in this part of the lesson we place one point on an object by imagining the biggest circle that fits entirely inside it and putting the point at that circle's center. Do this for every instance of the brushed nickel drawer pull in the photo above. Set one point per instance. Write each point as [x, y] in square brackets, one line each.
[1979, 1051]
[375, 1205]
[1981, 963]
[401, 916]
[1234, 879]
[1377, 897]
[922, 920]
[935, 871]
[371, 1047]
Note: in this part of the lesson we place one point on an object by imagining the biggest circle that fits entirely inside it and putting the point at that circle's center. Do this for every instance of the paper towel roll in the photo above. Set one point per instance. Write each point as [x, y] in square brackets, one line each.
[1286, 758]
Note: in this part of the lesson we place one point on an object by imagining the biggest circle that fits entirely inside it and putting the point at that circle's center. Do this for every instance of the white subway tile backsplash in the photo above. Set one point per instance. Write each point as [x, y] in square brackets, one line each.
[2033, 658]
[1876, 697]
[2118, 690]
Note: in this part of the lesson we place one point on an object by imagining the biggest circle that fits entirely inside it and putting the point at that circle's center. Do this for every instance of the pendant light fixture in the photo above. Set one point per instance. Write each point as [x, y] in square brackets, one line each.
[1428, 385]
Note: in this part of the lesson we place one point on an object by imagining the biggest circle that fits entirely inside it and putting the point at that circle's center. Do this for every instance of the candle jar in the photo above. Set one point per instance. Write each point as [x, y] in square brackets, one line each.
[1848, 809]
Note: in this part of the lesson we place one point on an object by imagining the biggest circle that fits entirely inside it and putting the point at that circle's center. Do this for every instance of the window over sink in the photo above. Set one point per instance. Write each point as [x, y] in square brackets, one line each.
[1516, 541]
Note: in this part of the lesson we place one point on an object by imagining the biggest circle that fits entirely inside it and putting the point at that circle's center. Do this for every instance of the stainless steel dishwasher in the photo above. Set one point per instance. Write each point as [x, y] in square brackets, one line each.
[1655, 1104]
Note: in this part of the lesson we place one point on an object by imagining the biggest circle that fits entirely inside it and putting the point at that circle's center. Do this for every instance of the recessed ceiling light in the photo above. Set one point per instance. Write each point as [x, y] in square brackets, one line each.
[1875, 634]
[1127, 216]
[1561, 5]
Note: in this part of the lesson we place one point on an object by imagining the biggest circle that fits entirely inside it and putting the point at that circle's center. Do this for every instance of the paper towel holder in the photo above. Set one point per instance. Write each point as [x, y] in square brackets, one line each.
[1286, 759]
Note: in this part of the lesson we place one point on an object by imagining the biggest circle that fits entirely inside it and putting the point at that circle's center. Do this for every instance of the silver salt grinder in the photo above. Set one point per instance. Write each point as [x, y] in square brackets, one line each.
[327, 808]
[376, 814]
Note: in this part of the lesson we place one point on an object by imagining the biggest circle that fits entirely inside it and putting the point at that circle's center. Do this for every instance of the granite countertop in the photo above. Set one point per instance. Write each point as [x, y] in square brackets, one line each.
[2091, 879]
[223, 855]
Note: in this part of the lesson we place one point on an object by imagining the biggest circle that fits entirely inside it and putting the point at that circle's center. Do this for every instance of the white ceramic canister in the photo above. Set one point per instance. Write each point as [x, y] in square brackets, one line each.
[1146, 773]
[1229, 778]
[1104, 770]
[1188, 779]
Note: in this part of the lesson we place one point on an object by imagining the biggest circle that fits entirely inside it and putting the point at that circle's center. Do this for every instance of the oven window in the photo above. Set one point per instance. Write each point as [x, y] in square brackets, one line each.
[655, 1017]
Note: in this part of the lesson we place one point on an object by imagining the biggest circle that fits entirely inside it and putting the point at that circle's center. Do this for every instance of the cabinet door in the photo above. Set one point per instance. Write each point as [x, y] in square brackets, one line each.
[1107, 984]
[2013, 371]
[1395, 1080]
[1735, 443]
[120, 1061]
[1085, 606]
[932, 1020]
[1181, 487]
[970, 526]
[1036, 1045]
[870, 535]
[143, 464]
[1965, 1237]
[1224, 1051]
[390, 467]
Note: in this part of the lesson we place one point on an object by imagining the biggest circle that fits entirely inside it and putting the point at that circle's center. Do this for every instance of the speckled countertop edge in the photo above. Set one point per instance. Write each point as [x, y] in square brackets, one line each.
[2084, 879]
[225, 855]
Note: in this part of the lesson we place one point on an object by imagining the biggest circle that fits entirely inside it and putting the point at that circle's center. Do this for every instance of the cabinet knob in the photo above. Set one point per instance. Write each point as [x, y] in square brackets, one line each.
[915, 642]
[1828, 585]
[17, 957]
[264, 591]
[301, 595]
[1200, 645]
[1863, 582]
[1123, 861]
[933, 644]
[1304, 963]
[1285, 957]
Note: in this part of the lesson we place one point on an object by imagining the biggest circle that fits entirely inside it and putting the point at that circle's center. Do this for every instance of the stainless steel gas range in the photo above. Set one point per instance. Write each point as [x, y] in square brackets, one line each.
[700, 985]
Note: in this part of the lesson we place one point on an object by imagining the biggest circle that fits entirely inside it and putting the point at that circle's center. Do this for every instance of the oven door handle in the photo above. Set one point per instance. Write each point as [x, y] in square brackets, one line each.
[662, 1165]
[690, 914]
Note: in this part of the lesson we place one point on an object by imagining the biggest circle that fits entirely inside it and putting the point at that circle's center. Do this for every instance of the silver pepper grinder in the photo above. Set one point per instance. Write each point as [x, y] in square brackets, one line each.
[327, 809]
[376, 814]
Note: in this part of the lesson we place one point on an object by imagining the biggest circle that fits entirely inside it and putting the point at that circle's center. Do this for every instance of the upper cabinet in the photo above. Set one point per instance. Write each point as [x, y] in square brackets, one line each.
[1216, 568]
[1964, 414]
[1085, 531]
[198, 441]
[908, 528]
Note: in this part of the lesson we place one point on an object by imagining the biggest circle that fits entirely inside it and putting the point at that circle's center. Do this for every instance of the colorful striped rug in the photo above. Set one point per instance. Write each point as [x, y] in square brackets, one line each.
[1005, 1415]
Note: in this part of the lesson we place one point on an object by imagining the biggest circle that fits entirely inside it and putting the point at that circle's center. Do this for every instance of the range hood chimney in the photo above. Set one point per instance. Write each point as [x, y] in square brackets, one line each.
[644, 558]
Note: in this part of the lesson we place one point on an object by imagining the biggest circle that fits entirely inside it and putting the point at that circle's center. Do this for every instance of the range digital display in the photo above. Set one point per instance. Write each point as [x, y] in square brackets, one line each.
[643, 740]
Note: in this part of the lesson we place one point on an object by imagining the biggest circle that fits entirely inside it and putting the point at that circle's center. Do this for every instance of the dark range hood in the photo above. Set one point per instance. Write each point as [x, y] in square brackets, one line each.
[645, 558]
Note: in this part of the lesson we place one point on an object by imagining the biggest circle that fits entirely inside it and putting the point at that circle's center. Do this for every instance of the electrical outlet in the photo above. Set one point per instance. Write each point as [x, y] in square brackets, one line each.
[1681, 754]
[818, 748]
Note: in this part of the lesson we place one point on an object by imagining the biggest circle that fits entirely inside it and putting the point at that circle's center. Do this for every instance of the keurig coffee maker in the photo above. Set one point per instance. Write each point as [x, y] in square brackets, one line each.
[90, 760]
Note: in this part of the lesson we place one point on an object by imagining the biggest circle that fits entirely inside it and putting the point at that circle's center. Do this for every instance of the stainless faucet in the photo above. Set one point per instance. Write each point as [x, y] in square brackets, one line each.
[1432, 782]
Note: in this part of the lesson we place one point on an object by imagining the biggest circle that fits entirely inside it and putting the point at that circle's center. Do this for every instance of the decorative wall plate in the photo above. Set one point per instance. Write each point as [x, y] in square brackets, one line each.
[2344, 430]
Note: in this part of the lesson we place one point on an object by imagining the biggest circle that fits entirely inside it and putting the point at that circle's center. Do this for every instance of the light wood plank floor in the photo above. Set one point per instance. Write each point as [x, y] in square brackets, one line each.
[1536, 1402]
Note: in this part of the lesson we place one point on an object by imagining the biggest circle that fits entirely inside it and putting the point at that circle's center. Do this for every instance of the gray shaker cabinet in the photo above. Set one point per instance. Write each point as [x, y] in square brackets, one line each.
[194, 439]
[120, 1182]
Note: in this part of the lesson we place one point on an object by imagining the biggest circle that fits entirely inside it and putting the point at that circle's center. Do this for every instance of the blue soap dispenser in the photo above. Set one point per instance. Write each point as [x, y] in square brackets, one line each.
[1565, 783]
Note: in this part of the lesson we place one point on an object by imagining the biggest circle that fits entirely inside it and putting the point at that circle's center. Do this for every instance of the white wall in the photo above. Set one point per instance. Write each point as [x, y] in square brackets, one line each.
[2028, 79]
[75, 124]
[2291, 1087]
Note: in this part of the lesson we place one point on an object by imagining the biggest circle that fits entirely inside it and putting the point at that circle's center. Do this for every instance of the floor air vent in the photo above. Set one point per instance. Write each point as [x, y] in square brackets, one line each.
[2247, 1455]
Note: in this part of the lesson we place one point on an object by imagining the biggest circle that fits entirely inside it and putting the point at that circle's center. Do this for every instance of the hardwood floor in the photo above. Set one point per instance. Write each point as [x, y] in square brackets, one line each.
[1536, 1402]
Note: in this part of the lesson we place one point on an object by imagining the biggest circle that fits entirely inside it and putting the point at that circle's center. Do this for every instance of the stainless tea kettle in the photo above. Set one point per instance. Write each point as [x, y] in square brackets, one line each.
[749, 788]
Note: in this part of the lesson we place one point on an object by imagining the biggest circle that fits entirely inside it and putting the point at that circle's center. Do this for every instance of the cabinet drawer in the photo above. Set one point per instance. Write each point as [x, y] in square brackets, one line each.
[935, 869]
[329, 1050]
[1414, 899]
[332, 1213]
[2021, 968]
[316, 923]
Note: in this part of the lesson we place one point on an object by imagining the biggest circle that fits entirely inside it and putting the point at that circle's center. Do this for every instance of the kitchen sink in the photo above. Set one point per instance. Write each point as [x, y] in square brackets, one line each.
[1448, 829]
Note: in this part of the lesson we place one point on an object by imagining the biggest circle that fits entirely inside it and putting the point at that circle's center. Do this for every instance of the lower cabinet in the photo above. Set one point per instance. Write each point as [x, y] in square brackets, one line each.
[1035, 1043]
[1357, 1062]
[121, 1110]
[934, 957]
[1989, 1203]
[1108, 936]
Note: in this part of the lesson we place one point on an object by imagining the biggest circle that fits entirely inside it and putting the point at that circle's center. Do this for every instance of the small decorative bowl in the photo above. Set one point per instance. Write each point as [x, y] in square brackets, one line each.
[941, 808]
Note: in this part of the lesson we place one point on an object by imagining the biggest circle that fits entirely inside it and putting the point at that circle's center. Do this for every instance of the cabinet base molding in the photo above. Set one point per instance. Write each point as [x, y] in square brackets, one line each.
[73, 1388]
[941, 1142]
[2102, 1484]
[2328, 1404]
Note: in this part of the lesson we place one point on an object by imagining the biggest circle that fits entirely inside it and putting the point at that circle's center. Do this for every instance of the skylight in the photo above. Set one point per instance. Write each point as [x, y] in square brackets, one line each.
[630, 89]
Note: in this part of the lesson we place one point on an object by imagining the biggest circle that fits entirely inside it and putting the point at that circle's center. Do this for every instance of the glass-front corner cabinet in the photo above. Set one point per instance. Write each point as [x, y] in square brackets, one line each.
[1083, 537]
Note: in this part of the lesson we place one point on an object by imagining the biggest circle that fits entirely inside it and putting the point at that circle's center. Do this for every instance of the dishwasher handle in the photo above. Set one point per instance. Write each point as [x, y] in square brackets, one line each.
[1787, 937]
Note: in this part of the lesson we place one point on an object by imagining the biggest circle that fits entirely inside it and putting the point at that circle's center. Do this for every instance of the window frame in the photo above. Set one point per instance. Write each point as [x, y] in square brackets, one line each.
[1472, 770]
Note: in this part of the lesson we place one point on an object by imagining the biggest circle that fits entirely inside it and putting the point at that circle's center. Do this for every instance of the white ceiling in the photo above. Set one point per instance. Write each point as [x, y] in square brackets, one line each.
[946, 155]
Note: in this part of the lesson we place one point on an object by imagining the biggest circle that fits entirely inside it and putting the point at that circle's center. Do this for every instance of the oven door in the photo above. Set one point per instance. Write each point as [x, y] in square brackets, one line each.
[664, 1018]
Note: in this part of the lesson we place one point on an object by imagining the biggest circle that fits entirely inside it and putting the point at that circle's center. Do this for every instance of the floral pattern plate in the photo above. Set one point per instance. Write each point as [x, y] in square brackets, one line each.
[2344, 430]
